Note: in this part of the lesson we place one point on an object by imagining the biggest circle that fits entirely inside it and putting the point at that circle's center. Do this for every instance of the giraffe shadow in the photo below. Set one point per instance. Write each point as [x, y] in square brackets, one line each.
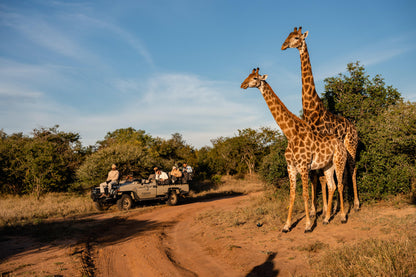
[266, 269]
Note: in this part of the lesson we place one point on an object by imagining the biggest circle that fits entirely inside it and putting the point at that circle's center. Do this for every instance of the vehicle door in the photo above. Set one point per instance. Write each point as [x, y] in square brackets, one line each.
[147, 191]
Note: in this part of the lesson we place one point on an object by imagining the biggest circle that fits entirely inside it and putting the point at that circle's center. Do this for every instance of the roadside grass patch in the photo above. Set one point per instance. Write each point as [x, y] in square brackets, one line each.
[372, 257]
[27, 209]
[267, 210]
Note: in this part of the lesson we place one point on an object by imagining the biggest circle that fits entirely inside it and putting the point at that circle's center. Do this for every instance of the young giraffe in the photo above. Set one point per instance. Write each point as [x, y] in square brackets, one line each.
[307, 150]
[319, 118]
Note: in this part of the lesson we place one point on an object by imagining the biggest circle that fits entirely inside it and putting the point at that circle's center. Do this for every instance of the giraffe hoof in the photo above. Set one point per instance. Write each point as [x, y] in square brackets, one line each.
[344, 220]
[309, 230]
[285, 229]
[326, 222]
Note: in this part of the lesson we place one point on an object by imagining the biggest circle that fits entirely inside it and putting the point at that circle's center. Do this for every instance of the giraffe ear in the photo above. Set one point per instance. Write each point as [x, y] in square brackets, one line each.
[305, 34]
[263, 77]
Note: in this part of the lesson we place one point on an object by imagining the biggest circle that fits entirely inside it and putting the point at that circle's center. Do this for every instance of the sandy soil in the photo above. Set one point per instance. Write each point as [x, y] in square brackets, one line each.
[170, 241]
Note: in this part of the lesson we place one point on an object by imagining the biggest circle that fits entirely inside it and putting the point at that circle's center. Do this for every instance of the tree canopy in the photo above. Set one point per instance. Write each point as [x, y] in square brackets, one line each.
[386, 126]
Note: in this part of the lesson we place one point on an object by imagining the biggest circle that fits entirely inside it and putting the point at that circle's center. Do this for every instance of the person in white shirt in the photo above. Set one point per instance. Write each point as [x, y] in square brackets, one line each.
[161, 176]
[112, 179]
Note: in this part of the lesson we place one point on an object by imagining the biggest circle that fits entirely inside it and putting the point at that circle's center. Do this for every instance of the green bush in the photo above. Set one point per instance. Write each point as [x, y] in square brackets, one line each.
[386, 126]
[274, 167]
[131, 159]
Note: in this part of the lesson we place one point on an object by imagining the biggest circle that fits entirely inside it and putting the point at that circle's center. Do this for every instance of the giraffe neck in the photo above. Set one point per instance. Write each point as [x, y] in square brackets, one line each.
[286, 120]
[310, 99]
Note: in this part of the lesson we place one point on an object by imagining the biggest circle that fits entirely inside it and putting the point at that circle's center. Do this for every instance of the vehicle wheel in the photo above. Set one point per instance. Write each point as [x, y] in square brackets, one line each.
[100, 206]
[173, 199]
[125, 202]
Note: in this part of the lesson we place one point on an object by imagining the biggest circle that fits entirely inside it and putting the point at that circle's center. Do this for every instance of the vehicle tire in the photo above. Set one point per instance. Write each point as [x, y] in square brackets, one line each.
[100, 206]
[125, 202]
[173, 198]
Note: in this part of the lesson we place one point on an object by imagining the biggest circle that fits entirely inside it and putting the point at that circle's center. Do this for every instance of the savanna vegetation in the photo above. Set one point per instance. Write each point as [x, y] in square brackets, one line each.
[36, 169]
[51, 160]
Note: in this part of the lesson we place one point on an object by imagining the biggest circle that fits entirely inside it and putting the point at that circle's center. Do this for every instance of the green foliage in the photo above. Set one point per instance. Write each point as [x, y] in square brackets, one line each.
[390, 151]
[135, 153]
[274, 166]
[216, 179]
[242, 153]
[357, 97]
[44, 162]
[386, 127]
[129, 158]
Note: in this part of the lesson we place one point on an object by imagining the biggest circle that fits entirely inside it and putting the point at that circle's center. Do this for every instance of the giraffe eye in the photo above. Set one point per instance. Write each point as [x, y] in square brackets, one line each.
[296, 37]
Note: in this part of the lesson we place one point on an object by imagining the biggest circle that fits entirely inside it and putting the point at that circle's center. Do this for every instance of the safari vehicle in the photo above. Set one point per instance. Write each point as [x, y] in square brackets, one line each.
[127, 193]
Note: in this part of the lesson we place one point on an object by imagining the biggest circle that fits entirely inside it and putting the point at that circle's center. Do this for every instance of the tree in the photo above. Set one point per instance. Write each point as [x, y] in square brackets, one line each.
[131, 159]
[389, 157]
[274, 166]
[44, 162]
[357, 97]
[135, 153]
[386, 128]
[243, 152]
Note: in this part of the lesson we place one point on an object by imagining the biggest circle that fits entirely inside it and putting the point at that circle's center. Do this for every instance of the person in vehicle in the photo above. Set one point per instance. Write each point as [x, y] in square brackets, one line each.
[161, 176]
[175, 174]
[112, 179]
[187, 172]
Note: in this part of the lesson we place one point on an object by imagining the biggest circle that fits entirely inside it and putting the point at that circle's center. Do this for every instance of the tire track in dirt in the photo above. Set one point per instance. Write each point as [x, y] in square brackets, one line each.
[166, 249]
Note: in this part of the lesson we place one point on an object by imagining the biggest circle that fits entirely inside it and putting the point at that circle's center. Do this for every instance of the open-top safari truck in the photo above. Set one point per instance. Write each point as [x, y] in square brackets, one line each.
[127, 193]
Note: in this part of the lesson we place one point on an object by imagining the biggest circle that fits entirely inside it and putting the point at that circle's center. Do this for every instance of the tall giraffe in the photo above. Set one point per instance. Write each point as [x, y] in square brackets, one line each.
[315, 113]
[307, 150]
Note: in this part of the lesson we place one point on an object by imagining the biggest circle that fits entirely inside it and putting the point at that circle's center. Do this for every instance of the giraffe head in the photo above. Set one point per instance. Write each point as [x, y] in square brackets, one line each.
[253, 80]
[295, 39]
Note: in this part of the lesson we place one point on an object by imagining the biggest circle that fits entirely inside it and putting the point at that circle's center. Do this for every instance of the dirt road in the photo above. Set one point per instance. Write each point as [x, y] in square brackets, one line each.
[170, 241]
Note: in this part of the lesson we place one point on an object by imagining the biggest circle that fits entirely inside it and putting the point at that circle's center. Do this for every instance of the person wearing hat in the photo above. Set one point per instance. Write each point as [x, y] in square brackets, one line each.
[175, 174]
[112, 179]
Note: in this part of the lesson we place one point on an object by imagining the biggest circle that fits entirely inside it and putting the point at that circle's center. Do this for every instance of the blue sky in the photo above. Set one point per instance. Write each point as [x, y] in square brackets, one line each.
[176, 66]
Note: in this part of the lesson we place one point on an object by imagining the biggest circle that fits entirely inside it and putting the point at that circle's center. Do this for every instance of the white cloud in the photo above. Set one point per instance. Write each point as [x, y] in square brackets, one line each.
[198, 109]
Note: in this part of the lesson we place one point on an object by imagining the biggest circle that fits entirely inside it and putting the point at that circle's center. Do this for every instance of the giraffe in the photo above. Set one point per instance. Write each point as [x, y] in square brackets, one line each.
[307, 150]
[318, 117]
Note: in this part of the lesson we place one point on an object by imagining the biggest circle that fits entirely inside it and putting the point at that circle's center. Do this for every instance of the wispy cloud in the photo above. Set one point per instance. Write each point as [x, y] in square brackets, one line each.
[198, 109]
[45, 34]
[368, 55]
[127, 37]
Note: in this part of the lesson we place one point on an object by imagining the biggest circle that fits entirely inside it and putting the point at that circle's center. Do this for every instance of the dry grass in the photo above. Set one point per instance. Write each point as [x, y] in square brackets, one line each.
[394, 255]
[231, 185]
[269, 209]
[20, 210]
[372, 257]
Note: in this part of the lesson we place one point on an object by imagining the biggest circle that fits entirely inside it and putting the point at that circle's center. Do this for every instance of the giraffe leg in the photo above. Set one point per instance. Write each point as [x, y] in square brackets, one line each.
[292, 178]
[351, 146]
[354, 184]
[305, 181]
[329, 174]
[340, 164]
[314, 179]
[323, 182]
